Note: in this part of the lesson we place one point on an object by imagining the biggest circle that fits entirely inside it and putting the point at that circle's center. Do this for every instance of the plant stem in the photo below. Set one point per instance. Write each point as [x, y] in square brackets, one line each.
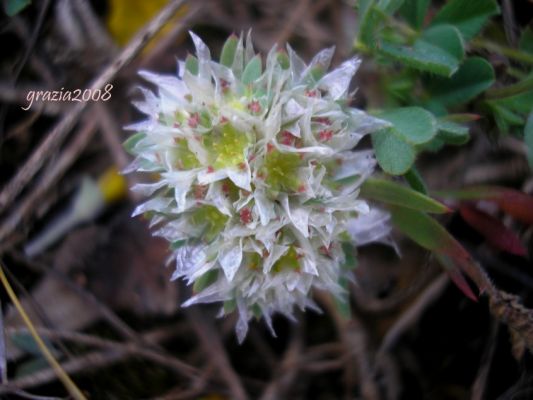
[503, 50]
[71, 387]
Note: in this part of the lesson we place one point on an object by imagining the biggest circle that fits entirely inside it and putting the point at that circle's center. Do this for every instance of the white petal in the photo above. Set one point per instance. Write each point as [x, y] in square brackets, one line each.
[297, 64]
[273, 256]
[205, 176]
[322, 59]
[265, 207]
[203, 54]
[156, 204]
[371, 227]
[230, 258]
[147, 189]
[241, 329]
[241, 177]
[211, 294]
[299, 216]
[359, 163]
[336, 82]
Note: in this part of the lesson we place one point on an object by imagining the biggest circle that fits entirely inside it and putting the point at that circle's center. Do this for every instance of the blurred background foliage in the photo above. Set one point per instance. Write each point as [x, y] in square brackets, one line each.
[455, 80]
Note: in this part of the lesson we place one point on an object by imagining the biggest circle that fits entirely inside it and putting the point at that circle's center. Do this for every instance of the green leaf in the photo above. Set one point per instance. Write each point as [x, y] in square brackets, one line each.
[446, 37]
[13, 7]
[177, 244]
[26, 343]
[368, 22]
[205, 280]
[511, 111]
[528, 139]
[526, 40]
[415, 180]
[431, 235]
[414, 11]
[31, 366]
[439, 50]
[389, 6]
[283, 59]
[129, 143]
[452, 133]
[191, 64]
[350, 256]
[425, 231]
[393, 153]
[521, 103]
[474, 77]
[252, 72]
[414, 124]
[505, 118]
[228, 51]
[468, 16]
[389, 192]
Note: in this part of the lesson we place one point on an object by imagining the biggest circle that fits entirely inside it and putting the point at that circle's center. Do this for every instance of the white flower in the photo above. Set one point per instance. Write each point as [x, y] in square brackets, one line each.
[257, 186]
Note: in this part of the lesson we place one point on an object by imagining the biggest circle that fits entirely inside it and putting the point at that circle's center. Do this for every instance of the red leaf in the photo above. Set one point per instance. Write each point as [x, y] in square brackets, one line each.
[492, 229]
[456, 276]
[514, 202]
[517, 204]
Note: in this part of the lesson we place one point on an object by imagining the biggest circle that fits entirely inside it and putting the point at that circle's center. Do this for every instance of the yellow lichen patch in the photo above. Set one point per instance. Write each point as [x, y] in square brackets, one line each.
[252, 261]
[184, 157]
[226, 146]
[211, 219]
[281, 171]
[289, 261]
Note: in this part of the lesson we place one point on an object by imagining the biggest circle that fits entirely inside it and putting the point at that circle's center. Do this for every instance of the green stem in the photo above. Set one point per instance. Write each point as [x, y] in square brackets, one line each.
[511, 90]
[503, 50]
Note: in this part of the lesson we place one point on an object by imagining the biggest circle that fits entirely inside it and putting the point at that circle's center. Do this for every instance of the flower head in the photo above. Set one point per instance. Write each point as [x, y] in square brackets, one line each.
[257, 187]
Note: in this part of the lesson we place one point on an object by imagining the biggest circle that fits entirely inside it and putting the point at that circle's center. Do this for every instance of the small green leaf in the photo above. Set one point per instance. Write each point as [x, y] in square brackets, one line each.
[414, 124]
[191, 64]
[252, 72]
[26, 343]
[422, 229]
[415, 180]
[177, 244]
[368, 22]
[283, 59]
[129, 144]
[528, 139]
[414, 11]
[393, 153]
[205, 280]
[526, 40]
[446, 37]
[473, 77]
[521, 103]
[350, 255]
[389, 6]
[389, 192]
[452, 133]
[228, 51]
[468, 16]
[511, 111]
[439, 50]
[13, 7]
[431, 235]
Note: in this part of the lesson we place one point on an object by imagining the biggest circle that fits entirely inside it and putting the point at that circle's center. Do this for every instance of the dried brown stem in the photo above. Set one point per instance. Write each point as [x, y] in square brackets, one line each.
[66, 159]
[115, 352]
[216, 352]
[287, 371]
